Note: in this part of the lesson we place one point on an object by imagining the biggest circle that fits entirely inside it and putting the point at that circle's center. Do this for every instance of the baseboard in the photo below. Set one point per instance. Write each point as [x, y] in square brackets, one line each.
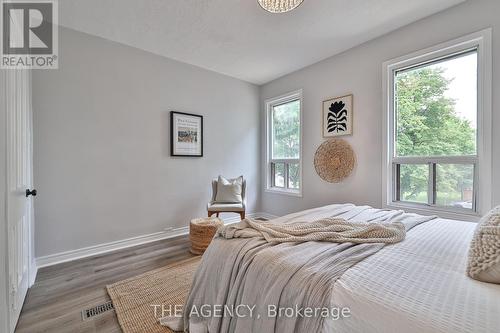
[32, 272]
[237, 219]
[90, 251]
[268, 216]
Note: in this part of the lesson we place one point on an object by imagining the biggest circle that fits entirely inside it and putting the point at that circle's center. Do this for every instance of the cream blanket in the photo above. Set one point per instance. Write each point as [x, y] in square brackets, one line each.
[257, 275]
[484, 252]
[334, 230]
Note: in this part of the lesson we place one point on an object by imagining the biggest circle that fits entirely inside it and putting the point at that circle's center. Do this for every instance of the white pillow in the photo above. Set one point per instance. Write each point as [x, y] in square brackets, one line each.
[229, 190]
[484, 253]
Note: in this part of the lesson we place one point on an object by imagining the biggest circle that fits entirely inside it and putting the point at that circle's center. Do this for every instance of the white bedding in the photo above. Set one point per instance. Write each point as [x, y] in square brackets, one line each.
[418, 285]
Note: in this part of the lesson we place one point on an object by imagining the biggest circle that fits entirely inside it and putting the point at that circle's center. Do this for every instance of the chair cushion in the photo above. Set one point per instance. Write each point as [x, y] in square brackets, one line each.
[232, 207]
[484, 253]
[229, 190]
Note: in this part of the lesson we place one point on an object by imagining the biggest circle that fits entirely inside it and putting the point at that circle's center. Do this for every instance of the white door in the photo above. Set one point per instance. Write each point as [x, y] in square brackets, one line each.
[19, 179]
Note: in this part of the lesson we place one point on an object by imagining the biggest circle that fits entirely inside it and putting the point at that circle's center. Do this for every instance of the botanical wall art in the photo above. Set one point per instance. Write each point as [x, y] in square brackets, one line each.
[186, 134]
[337, 116]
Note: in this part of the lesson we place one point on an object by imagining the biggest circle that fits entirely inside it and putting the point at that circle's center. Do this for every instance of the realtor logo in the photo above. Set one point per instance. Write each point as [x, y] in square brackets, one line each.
[29, 34]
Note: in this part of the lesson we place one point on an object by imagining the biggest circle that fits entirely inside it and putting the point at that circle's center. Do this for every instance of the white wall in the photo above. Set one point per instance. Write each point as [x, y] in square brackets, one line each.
[101, 154]
[359, 71]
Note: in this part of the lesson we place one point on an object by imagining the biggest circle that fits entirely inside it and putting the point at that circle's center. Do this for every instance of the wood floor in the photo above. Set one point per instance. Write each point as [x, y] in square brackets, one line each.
[54, 304]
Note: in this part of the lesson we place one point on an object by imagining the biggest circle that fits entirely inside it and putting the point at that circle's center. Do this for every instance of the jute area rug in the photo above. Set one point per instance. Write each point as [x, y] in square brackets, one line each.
[135, 299]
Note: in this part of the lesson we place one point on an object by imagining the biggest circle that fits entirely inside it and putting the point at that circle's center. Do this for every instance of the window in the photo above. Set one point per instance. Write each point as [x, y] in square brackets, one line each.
[438, 138]
[284, 169]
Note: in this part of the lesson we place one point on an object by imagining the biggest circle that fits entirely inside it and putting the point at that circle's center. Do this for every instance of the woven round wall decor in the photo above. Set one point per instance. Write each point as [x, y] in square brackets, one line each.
[334, 160]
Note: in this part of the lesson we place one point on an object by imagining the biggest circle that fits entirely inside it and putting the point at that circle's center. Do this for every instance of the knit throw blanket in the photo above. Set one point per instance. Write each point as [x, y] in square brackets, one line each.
[331, 229]
[297, 267]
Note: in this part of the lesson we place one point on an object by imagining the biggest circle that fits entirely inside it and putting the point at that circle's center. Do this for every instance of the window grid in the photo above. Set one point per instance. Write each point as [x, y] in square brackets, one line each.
[286, 175]
[432, 188]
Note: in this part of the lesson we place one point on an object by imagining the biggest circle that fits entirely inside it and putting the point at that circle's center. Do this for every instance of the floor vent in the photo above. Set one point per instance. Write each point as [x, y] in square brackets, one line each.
[97, 310]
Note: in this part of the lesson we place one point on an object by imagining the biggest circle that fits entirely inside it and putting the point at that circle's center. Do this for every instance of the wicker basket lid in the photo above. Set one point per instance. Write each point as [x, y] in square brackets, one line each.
[207, 221]
[334, 160]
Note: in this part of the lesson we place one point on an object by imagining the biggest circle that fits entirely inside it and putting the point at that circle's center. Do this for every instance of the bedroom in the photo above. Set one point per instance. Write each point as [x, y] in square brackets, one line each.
[100, 127]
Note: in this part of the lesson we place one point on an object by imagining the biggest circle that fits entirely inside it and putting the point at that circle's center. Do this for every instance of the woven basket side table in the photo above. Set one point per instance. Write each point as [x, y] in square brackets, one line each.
[201, 232]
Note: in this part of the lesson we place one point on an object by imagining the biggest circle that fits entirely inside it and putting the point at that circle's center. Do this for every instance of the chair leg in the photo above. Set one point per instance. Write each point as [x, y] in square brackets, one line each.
[217, 214]
[210, 213]
[242, 215]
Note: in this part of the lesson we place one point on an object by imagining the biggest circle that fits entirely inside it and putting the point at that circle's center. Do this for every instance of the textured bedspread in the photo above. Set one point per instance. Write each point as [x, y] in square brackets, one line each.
[266, 277]
[418, 285]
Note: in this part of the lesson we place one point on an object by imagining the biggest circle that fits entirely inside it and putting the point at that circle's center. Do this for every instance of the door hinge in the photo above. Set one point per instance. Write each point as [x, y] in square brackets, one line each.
[13, 300]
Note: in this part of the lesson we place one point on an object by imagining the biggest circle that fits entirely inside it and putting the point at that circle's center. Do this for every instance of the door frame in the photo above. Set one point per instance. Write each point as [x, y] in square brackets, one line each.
[4, 272]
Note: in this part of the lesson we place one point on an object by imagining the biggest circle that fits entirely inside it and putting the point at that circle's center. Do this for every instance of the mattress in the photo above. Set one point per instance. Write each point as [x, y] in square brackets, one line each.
[418, 285]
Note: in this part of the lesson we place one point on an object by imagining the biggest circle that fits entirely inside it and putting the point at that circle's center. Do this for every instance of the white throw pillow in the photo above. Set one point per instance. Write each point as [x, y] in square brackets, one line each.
[229, 190]
[484, 253]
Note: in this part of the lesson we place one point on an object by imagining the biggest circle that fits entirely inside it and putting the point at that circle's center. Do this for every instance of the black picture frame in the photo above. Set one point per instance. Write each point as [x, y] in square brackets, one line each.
[174, 134]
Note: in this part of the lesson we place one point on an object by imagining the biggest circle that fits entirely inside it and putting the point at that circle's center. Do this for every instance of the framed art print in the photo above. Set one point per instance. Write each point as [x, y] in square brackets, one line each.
[337, 116]
[186, 134]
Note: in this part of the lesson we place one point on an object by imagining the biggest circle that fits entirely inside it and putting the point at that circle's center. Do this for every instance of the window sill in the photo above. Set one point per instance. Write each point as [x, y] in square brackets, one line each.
[293, 193]
[461, 215]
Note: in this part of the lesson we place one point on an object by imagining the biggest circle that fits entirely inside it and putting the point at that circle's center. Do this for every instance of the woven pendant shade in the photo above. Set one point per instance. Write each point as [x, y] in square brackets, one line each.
[334, 160]
[279, 6]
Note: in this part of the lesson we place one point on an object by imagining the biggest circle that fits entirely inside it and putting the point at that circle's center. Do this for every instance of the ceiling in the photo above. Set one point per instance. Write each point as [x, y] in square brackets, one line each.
[237, 37]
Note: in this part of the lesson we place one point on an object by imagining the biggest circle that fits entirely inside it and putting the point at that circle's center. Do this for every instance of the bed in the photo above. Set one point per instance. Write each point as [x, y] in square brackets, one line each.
[417, 285]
